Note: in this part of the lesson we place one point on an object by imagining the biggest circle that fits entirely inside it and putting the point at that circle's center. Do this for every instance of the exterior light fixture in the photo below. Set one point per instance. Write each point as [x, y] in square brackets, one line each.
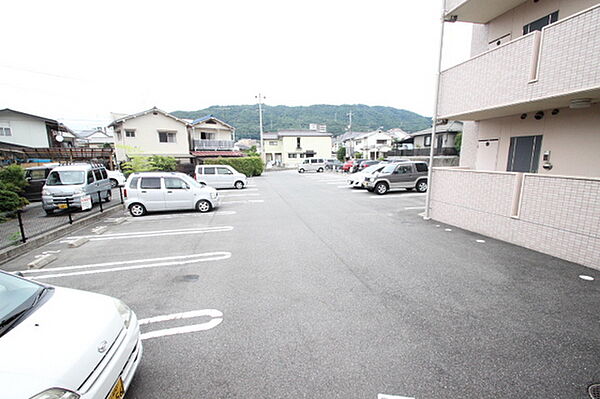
[523, 116]
[539, 115]
[555, 111]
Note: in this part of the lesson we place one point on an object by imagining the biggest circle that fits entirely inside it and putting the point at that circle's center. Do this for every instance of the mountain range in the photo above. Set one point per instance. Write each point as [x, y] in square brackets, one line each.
[364, 118]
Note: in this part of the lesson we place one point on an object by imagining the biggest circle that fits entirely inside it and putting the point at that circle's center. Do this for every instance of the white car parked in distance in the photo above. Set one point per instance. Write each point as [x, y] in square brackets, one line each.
[312, 165]
[220, 176]
[116, 178]
[357, 180]
[164, 191]
[60, 343]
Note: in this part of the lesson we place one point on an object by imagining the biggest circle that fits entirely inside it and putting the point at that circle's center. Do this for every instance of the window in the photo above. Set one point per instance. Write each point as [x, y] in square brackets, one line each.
[540, 23]
[310, 155]
[223, 171]
[381, 141]
[36, 174]
[427, 141]
[104, 174]
[173, 183]
[298, 142]
[66, 177]
[302, 155]
[292, 155]
[129, 133]
[273, 143]
[209, 171]
[5, 131]
[90, 177]
[421, 167]
[166, 137]
[118, 135]
[524, 154]
[403, 169]
[97, 174]
[207, 136]
[151, 183]
[134, 182]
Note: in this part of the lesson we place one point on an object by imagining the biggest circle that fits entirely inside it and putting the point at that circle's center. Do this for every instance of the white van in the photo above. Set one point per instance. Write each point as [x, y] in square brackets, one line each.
[220, 176]
[312, 165]
[163, 191]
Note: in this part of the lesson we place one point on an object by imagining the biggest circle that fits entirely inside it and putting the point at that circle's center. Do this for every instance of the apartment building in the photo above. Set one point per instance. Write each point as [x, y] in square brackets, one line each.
[290, 147]
[529, 100]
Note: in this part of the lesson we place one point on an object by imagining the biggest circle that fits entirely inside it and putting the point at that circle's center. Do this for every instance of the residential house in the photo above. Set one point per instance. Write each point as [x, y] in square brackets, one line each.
[529, 99]
[444, 143]
[211, 137]
[95, 138]
[151, 132]
[26, 130]
[289, 147]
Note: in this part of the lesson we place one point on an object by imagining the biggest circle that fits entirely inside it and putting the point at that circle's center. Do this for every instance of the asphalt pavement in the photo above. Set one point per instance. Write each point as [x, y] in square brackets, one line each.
[301, 287]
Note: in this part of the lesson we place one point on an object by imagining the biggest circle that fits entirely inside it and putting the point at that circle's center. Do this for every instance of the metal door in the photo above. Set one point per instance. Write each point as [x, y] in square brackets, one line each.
[177, 194]
[151, 193]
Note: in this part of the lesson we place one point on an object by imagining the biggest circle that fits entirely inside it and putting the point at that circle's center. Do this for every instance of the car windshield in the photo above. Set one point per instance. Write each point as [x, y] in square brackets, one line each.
[16, 296]
[371, 169]
[389, 168]
[191, 182]
[65, 177]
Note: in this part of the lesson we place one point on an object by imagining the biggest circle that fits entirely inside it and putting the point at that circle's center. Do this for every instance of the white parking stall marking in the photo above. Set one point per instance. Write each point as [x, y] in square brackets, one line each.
[240, 195]
[155, 233]
[145, 264]
[399, 196]
[243, 202]
[383, 396]
[413, 207]
[183, 215]
[217, 318]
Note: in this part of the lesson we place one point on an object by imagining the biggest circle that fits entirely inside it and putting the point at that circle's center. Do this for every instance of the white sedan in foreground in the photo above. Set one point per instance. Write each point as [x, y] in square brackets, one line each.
[59, 343]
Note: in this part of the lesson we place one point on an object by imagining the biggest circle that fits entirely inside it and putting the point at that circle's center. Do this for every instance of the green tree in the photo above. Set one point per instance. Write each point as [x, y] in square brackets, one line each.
[341, 154]
[162, 163]
[358, 155]
[13, 177]
[251, 152]
[136, 164]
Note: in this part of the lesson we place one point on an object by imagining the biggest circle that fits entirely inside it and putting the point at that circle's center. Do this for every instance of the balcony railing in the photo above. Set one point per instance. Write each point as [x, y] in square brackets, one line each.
[557, 64]
[212, 145]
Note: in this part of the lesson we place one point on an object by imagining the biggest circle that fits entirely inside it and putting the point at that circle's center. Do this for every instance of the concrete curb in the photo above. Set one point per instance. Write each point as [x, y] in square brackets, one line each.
[36, 242]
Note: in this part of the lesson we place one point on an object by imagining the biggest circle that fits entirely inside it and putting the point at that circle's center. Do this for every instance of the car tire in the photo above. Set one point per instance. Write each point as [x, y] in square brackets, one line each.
[113, 183]
[203, 206]
[108, 196]
[239, 185]
[381, 188]
[320, 170]
[421, 186]
[300, 170]
[137, 210]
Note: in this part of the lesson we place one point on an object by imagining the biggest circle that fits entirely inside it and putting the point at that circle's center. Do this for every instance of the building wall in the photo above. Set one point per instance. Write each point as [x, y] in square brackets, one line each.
[26, 131]
[512, 22]
[221, 132]
[320, 145]
[559, 216]
[572, 136]
[146, 140]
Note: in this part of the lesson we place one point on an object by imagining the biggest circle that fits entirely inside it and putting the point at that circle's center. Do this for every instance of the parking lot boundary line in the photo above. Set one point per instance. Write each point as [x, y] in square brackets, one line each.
[240, 195]
[399, 195]
[214, 256]
[183, 315]
[182, 330]
[216, 228]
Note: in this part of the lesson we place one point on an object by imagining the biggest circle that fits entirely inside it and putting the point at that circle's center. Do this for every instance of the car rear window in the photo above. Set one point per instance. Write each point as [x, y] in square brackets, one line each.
[97, 174]
[36, 174]
[104, 173]
[421, 167]
[151, 183]
[209, 171]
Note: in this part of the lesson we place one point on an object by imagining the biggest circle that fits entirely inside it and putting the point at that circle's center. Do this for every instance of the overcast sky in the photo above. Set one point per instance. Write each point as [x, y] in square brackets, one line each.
[76, 61]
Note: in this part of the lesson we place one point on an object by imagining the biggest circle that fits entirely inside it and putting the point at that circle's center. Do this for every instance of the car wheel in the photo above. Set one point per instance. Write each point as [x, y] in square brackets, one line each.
[320, 170]
[381, 188]
[300, 170]
[239, 185]
[108, 196]
[421, 186]
[137, 210]
[113, 183]
[203, 206]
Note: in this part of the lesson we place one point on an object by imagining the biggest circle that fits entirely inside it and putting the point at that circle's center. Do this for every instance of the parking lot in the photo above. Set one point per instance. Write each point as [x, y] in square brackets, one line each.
[300, 286]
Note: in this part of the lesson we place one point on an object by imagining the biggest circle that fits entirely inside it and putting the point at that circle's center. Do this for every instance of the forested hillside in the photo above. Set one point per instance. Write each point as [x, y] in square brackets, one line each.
[364, 118]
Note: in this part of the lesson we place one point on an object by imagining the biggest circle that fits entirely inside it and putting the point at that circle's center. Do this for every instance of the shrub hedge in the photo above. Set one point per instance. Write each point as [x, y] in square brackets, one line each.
[250, 166]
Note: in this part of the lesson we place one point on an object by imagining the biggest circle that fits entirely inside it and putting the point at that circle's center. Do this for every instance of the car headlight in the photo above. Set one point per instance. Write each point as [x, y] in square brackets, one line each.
[45, 192]
[124, 312]
[56, 393]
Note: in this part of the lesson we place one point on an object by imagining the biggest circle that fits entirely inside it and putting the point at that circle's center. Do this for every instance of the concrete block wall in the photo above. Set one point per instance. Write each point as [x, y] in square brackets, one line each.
[556, 215]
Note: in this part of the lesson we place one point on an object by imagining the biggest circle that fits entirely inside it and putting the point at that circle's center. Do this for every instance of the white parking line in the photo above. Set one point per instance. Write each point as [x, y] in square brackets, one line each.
[240, 195]
[183, 215]
[217, 318]
[383, 396]
[242, 201]
[160, 262]
[155, 233]
[399, 196]
[413, 207]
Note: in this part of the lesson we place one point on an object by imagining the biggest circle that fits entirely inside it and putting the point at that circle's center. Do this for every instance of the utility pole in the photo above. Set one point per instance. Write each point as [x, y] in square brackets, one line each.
[350, 133]
[260, 125]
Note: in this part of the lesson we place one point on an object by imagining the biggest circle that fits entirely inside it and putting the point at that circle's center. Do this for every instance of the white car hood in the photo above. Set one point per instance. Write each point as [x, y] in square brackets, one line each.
[57, 345]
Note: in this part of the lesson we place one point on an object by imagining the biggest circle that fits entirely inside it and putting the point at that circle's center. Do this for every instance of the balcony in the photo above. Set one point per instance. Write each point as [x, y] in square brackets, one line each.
[200, 145]
[541, 70]
[479, 11]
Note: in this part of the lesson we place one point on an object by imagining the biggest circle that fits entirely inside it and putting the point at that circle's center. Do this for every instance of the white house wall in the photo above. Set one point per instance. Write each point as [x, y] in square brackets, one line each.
[26, 131]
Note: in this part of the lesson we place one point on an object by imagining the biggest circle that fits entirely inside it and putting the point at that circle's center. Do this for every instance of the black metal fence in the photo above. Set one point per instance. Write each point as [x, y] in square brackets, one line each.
[33, 221]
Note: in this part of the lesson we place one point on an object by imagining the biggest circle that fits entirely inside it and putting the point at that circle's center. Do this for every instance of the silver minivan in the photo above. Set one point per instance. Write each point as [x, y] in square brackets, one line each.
[220, 176]
[312, 165]
[74, 184]
[164, 191]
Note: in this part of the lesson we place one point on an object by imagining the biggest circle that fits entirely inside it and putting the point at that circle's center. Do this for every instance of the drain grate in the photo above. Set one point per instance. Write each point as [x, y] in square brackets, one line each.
[594, 391]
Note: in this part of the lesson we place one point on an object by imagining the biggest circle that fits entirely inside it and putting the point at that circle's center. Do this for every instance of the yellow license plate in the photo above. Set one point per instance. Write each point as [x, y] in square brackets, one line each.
[62, 206]
[118, 391]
